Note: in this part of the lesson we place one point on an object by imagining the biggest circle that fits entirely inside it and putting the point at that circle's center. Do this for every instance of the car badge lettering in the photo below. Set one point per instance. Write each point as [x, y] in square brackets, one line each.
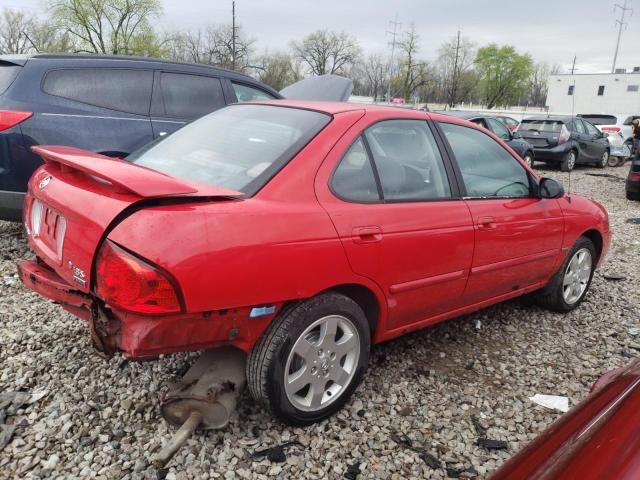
[44, 182]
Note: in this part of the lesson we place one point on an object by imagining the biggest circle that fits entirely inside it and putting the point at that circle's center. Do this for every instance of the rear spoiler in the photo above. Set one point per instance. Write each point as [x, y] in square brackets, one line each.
[125, 176]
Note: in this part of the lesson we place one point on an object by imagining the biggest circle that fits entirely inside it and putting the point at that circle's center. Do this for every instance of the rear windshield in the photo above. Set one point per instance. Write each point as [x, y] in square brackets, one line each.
[239, 147]
[8, 73]
[546, 125]
[601, 119]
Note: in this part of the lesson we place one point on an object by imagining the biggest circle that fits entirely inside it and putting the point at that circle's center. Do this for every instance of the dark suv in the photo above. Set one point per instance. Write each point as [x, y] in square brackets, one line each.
[565, 141]
[106, 104]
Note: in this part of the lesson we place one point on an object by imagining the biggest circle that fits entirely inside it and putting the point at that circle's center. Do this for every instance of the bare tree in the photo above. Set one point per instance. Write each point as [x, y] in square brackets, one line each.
[14, 28]
[539, 83]
[374, 70]
[413, 73]
[106, 26]
[327, 52]
[455, 59]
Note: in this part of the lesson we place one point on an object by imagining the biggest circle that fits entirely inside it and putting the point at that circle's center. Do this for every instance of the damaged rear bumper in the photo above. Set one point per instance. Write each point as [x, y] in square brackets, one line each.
[141, 335]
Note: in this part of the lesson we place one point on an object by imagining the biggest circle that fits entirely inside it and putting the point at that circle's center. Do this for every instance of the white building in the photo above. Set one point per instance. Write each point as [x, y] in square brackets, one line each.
[595, 93]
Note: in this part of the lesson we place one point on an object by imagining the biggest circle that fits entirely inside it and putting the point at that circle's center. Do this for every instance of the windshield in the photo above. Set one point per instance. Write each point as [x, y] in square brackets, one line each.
[542, 125]
[239, 147]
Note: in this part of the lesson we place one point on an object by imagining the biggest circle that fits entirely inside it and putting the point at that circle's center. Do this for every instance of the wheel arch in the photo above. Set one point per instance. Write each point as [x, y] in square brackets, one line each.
[596, 237]
[365, 298]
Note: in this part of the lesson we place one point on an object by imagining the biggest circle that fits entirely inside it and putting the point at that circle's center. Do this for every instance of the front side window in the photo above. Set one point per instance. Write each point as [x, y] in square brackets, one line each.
[488, 170]
[189, 96]
[354, 180]
[120, 89]
[408, 161]
[591, 130]
[579, 126]
[239, 147]
[244, 93]
[499, 129]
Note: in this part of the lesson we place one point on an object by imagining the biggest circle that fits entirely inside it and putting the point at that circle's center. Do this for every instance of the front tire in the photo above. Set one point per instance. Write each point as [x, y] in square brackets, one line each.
[568, 161]
[310, 359]
[528, 159]
[568, 287]
[604, 160]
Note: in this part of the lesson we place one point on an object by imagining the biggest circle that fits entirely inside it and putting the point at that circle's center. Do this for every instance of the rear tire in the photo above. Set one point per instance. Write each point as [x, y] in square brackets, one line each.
[568, 161]
[528, 159]
[633, 196]
[310, 359]
[568, 287]
[615, 161]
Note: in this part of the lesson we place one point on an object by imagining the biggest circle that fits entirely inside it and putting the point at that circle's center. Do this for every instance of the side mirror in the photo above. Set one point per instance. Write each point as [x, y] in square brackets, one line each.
[605, 135]
[515, 135]
[550, 188]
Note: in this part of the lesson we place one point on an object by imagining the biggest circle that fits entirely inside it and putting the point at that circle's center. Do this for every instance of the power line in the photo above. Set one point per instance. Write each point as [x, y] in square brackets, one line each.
[621, 23]
[393, 34]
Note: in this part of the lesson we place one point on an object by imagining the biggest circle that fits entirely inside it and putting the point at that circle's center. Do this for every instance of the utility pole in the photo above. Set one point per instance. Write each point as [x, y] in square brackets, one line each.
[454, 79]
[233, 35]
[393, 34]
[621, 23]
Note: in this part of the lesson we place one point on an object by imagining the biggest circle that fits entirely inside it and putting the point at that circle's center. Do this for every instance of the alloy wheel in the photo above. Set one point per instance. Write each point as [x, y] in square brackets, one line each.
[322, 363]
[576, 276]
[605, 159]
[571, 160]
[528, 160]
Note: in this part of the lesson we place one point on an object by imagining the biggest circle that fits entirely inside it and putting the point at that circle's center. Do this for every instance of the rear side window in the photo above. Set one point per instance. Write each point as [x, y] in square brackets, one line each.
[8, 74]
[245, 93]
[353, 180]
[499, 129]
[189, 96]
[124, 90]
[488, 170]
[546, 125]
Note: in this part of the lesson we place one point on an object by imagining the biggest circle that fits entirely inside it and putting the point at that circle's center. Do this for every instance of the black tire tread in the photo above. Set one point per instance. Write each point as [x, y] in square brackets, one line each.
[265, 349]
[549, 296]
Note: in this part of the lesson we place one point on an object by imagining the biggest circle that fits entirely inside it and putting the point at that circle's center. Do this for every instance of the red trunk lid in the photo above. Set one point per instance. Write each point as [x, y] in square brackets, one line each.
[77, 195]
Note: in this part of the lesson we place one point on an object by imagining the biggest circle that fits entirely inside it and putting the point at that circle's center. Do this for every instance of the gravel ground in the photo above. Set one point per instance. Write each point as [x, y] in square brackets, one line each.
[435, 390]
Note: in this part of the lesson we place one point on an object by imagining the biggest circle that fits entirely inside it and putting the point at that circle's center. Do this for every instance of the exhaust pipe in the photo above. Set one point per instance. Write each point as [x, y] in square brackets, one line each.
[204, 398]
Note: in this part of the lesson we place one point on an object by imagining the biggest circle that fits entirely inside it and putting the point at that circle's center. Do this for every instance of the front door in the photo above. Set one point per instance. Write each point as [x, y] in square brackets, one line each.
[518, 235]
[399, 217]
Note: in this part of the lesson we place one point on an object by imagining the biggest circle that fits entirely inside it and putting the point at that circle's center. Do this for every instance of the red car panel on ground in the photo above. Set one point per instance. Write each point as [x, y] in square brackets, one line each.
[598, 439]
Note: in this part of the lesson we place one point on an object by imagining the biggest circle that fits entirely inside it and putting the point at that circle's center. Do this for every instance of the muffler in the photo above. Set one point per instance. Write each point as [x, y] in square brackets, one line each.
[204, 398]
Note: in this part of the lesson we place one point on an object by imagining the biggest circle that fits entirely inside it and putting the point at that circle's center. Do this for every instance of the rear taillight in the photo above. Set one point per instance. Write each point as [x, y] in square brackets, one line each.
[564, 135]
[127, 282]
[11, 118]
[634, 176]
[611, 129]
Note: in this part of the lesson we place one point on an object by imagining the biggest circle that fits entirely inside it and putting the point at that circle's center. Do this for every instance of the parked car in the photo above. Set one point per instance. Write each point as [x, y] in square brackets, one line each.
[511, 123]
[565, 141]
[619, 151]
[106, 104]
[302, 233]
[613, 123]
[513, 139]
[597, 439]
[632, 185]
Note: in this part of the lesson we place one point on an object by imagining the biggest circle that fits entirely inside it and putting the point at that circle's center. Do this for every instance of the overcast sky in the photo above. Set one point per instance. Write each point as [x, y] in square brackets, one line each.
[550, 30]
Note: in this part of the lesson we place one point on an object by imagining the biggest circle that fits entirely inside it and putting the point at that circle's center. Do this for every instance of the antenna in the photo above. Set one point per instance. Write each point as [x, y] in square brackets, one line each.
[233, 35]
[573, 119]
[621, 24]
[393, 34]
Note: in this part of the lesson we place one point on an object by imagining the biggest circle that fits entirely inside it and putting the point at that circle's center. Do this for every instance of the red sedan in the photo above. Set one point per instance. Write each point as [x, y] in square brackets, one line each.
[302, 233]
[598, 439]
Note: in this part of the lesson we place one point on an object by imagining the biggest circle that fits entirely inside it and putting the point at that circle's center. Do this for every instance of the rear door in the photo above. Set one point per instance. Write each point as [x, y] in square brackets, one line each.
[103, 110]
[518, 236]
[179, 98]
[399, 217]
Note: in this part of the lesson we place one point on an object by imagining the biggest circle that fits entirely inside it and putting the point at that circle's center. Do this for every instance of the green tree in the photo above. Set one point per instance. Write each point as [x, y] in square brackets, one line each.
[504, 73]
[107, 26]
[277, 70]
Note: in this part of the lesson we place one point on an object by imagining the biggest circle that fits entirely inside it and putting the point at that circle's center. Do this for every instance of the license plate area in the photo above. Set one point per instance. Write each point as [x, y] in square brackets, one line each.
[48, 228]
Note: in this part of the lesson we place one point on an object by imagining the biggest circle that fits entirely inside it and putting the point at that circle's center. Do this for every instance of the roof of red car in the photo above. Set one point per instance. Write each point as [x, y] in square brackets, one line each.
[327, 107]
